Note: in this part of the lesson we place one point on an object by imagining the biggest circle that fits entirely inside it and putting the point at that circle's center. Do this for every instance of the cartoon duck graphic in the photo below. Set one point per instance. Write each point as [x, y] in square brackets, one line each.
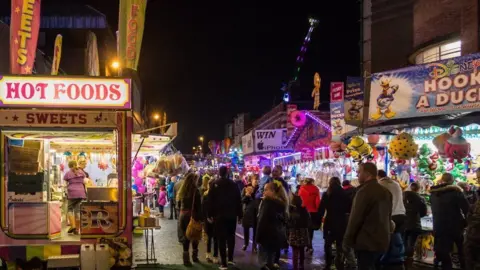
[385, 99]
[354, 111]
[337, 127]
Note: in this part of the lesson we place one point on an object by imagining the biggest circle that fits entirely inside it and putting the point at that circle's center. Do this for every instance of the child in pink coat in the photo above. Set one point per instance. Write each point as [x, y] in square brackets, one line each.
[162, 200]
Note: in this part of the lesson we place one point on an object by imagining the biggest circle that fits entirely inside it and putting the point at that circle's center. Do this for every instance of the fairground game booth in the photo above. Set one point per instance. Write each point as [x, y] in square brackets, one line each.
[45, 123]
[428, 117]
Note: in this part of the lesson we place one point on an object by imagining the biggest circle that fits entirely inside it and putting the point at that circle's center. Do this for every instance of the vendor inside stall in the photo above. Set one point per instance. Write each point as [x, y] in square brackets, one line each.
[59, 178]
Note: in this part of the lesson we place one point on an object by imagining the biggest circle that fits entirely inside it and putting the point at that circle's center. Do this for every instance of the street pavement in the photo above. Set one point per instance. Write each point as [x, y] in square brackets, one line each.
[168, 251]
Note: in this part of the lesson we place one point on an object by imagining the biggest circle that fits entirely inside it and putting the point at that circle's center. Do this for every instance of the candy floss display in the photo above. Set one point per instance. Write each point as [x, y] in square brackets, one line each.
[59, 132]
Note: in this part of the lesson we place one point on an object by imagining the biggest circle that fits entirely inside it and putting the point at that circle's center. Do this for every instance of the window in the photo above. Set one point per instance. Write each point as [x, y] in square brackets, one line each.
[440, 52]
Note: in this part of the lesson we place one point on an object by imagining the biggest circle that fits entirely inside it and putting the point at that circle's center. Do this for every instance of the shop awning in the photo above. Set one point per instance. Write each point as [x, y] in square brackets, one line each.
[149, 144]
[386, 127]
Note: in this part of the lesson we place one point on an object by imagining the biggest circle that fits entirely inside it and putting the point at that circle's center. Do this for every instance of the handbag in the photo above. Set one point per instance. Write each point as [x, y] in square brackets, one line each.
[194, 227]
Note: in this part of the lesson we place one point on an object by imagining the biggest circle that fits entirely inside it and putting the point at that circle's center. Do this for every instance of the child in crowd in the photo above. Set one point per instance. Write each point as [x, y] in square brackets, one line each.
[298, 237]
[162, 200]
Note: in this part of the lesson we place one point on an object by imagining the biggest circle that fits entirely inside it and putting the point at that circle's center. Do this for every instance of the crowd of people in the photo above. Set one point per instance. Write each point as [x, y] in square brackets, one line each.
[372, 226]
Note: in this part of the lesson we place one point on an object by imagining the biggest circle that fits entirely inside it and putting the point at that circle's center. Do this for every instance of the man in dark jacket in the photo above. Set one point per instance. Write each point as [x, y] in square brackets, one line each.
[369, 225]
[416, 208]
[277, 175]
[225, 209]
[449, 209]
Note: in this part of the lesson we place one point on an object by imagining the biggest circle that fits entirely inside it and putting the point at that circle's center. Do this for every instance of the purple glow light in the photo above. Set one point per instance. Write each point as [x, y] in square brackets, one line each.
[319, 121]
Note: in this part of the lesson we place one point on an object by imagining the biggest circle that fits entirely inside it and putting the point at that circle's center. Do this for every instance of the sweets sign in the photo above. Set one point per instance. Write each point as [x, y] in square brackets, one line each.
[447, 86]
[61, 92]
[39, 118]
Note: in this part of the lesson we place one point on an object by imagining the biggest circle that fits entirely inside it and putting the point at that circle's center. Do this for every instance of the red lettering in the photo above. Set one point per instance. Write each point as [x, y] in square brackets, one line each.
[115, 92]
[42, 118]
[87, 91]
[63, 119]
[76, 91]
[28, 93]
[40, 87]
[58, 89]
[73, 117]
[102, 91]
[12, 90]
[30, 118]
[82, 119]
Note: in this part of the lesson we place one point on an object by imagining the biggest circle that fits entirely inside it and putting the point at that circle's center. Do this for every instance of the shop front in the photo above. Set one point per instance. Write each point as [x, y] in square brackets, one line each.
[428, 117]
[47, 125]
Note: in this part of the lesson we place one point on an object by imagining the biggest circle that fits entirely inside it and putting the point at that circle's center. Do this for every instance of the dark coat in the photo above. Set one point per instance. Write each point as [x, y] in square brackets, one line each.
[250, 208]
[351, 191]
[272, 224]
[208, 227]
[239, 184]
[337, 205]
[416, 208]
[449, 209]
[224, 200]
[186, 212]
[369, 225]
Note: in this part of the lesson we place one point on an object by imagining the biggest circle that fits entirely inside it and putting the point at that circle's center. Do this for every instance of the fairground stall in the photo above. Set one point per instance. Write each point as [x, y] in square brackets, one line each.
[47, 123]
[428, 116]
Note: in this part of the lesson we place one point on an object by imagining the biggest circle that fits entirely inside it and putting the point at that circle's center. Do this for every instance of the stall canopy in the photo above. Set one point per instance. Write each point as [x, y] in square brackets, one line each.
[151, 144]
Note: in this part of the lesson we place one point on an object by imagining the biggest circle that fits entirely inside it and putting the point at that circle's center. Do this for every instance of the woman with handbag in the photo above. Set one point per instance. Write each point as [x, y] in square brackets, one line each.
[189, 222]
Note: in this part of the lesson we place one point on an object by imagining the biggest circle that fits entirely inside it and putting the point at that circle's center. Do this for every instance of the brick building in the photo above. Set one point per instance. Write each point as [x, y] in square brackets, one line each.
[402, 33]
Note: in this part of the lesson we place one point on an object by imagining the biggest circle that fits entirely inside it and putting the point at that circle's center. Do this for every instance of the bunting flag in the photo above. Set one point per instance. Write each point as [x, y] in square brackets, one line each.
[93, 64]
[24, 27]
[57, 54]
[131, 24]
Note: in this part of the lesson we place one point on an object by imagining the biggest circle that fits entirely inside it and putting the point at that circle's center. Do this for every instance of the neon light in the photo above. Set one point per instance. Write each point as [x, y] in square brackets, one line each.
[286, 156]
[319, 121]
[291, 137]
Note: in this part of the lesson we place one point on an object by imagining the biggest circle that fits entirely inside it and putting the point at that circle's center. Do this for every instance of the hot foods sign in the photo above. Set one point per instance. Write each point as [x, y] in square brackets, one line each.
[61, 92]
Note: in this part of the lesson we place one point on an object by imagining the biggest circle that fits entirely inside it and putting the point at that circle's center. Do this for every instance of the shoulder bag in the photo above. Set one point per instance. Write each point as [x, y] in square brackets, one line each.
[194, 228]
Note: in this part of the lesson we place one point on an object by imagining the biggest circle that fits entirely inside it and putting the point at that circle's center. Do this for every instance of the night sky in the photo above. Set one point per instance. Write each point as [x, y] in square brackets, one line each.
[205, 61]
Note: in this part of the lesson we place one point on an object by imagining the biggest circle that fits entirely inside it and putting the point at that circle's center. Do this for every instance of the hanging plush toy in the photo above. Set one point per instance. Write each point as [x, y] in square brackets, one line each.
[403, 147]
[425, 164]
[359, 149]
[440, 142]
[456, 147]
[338, 148]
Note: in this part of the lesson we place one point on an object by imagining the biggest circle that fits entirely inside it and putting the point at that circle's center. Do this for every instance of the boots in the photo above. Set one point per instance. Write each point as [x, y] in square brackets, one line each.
[195, 256]
[71, 220]
[186, 258]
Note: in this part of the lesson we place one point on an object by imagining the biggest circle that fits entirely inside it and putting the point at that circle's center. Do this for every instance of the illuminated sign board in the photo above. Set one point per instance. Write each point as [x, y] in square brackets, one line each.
[64, 92]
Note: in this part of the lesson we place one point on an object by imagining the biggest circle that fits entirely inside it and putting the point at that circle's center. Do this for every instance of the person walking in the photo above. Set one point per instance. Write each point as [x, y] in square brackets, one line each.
[171, 197]
[272, 219]
[238, 180]
[298, 234]
[416, 208]
[266, 178]
[310, 195]
[449, 209]
[225, 209]
[250, 211]
[472, 235]
[209, 228]
[162, 200]
[398, 208]
[336, 203]
[190, 205]
[369, 224]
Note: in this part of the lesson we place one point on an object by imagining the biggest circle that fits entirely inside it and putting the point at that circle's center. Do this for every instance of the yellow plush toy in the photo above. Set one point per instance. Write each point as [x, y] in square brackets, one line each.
[403, 147]
[358, 148]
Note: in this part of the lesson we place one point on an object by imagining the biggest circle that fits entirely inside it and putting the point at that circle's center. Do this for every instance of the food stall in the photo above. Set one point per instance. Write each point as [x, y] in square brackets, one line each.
[45, 123]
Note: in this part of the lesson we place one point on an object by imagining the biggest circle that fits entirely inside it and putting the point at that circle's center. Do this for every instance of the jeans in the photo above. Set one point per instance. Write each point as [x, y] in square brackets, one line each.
[246, 236]
[368, 260]
[298, 257]
[410, 239]
[443, 247]
[339, 258]
[186, 245]
[212, 240]
[160, 208]
[225, 231]
[311, 231]
[173, 209]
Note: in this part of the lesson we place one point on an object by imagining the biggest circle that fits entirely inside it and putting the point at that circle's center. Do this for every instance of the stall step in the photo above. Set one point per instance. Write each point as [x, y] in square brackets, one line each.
[63, 261]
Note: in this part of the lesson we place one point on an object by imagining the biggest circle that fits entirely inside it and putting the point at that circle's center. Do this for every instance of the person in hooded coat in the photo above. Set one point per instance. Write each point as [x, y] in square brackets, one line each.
[450, 209]
[250, 211]
[272, 221]
[336, 203]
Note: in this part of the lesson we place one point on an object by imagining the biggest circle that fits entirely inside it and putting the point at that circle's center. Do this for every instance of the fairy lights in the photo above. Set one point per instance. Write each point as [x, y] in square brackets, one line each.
[319, 121]
[291, 137]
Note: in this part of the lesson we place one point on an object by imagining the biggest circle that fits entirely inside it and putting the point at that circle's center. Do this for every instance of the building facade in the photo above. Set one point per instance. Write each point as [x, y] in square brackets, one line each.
[397, 34]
